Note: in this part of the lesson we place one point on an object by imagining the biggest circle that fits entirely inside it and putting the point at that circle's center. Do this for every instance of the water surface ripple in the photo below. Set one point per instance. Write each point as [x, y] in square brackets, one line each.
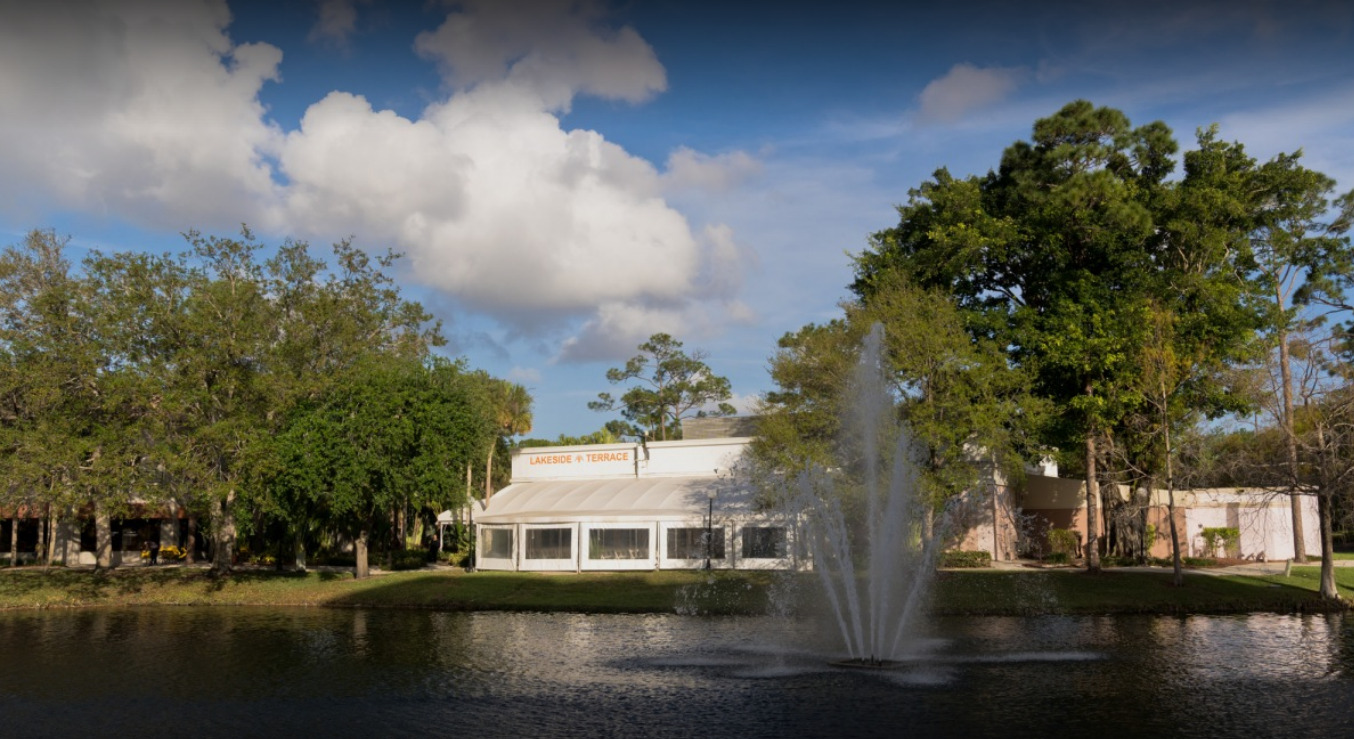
[208, 672]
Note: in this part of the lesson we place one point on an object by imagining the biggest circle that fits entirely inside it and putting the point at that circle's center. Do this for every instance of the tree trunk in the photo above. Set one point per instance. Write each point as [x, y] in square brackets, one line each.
[103, 538]
[223, 535]
[51, 537]
[190, 546]
[1323, 512]
[489, 475]
[1177, 572]
[1092, 508]
[360, 568]
[14, 542]
[300, 559]
[1291, 448]
[41, 549]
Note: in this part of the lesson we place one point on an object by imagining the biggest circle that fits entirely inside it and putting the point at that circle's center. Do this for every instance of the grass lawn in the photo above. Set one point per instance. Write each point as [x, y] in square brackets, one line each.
[977, 592]
[642, 592]
[1075, 592]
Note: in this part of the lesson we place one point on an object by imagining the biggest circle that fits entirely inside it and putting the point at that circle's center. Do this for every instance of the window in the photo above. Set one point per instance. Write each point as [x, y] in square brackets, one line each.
[763, 542]
[618, 544]
[554, 543]
[497, 543]
[690, 543]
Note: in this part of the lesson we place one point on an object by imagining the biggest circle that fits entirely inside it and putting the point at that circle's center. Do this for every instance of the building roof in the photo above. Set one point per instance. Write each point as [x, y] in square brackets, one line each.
[626, 498]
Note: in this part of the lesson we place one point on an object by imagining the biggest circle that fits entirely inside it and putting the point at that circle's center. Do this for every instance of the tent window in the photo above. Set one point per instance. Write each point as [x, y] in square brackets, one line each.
[690, 543]
[618, 544]
[763, 542]
[497, 543]
[553, 543]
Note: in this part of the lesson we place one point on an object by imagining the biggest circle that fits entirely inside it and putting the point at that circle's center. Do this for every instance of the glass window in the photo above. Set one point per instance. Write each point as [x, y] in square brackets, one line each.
[549, 543]
[690, 543]
[763, 542]
[497, 543]
[618, 544]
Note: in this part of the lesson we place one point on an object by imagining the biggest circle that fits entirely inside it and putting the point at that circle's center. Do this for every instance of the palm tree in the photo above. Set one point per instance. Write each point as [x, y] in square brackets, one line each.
[512, 414]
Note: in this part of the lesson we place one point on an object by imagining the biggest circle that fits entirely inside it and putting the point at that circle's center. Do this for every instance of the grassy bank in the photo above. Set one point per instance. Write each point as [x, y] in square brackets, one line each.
[977, 592]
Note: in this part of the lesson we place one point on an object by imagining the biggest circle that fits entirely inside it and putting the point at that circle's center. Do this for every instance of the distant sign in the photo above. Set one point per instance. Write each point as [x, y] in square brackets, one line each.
[573, 463]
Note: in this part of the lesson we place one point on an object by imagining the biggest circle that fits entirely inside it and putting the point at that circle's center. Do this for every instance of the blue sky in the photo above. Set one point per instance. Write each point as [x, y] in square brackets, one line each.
[568, 178]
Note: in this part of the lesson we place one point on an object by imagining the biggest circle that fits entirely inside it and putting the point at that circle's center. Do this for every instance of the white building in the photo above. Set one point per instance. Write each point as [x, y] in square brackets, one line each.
[661, 505]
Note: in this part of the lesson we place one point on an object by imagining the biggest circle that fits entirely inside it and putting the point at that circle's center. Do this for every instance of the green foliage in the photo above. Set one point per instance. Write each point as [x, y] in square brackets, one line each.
[604, 435]
[672, 385]
[1064, 541]
[961, 558]
[1227, 537]
[1058, 558]
[204, 378]
[409, 559]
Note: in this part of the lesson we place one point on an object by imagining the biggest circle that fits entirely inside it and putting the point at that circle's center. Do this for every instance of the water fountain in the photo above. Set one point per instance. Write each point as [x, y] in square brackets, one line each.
[875, 582]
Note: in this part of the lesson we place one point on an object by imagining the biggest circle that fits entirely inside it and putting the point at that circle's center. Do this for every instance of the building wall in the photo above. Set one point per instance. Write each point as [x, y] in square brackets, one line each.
[1263, 518]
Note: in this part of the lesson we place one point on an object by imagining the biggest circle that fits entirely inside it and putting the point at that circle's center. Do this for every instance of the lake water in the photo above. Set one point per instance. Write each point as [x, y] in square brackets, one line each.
[192, 672]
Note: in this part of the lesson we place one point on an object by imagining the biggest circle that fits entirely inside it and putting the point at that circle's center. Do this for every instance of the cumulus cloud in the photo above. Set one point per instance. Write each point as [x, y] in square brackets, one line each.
[144, 111]
[965, 88]
[149, 111]
[555, 50]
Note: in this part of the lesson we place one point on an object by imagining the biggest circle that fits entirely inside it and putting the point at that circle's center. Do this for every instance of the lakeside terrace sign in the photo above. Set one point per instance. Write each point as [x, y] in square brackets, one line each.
[553, 463]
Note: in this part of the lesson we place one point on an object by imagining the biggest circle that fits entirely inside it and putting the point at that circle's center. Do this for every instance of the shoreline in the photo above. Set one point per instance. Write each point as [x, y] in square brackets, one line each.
[955, 592]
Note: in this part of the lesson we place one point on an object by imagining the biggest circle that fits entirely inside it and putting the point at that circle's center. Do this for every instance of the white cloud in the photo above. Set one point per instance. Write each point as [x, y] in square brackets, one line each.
[692, 169]
[144, 110]
[553, 49]
[150, 112]
[965, 88]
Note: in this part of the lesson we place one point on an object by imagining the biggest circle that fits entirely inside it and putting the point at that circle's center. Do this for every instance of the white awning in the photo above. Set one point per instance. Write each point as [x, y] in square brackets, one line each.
[645, 497]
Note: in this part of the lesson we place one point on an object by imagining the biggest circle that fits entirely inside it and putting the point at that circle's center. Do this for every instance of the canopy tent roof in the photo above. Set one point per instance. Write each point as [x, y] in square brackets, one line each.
[649, 498]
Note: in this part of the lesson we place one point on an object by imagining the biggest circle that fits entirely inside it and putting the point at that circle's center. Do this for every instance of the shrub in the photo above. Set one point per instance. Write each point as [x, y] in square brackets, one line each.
[455, 559]
[1228, 537]
[961, 558]
[1058, 558]
[1064, 541]
[1199, 561]
[409, 559]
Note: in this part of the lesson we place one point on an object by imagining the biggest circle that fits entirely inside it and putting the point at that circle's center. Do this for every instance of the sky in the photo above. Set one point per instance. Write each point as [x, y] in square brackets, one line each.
[565, 179]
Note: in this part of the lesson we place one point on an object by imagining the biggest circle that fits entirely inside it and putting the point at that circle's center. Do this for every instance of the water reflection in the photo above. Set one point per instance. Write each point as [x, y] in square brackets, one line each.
[218, 672]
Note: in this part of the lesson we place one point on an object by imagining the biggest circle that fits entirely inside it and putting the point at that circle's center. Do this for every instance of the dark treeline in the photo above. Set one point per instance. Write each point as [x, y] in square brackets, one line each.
[283, 401]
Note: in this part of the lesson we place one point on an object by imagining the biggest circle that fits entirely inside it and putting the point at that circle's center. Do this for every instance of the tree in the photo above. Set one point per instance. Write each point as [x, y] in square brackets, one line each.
[385, 437]
[71, 423]
[673, 385]
[1050, 256]
[512, 416]
[799, 424]
[964, 406]
[1297, 261]
[1202, 320]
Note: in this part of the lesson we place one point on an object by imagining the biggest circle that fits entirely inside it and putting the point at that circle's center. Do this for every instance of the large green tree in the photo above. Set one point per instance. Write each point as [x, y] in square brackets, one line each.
[1051, 256]
[384, 438]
